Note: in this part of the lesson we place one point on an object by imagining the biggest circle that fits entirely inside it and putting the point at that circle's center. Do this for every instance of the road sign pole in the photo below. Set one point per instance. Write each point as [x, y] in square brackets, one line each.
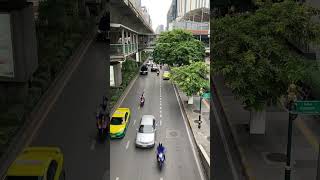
[288, 160]
[318, 168]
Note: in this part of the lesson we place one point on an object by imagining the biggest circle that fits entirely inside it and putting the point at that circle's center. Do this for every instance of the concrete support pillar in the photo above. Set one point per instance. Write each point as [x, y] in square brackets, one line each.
[115, 74]
[137, 42]
[122, 41]
[137, 56]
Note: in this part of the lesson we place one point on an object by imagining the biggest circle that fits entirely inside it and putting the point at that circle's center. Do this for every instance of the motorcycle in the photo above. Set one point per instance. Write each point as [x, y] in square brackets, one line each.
[160, 160]
[102, 129]
[158, 73]
[142, 102]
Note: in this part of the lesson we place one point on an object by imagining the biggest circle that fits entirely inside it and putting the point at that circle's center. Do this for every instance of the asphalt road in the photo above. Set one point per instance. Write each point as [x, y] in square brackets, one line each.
[70, 124]
[130, 163]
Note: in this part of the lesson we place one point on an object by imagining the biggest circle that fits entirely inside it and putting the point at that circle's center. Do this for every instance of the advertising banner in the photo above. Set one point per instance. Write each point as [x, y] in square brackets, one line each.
[6, 52]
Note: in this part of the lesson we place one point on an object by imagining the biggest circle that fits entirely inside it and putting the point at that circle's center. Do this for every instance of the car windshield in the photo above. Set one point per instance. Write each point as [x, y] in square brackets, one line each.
[24, 178]
[116, 121]
[145, 129]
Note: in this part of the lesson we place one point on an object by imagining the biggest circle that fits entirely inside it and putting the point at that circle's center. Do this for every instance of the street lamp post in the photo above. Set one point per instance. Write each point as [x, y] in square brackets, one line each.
[288, 159]
[291, 98]
[199, 122]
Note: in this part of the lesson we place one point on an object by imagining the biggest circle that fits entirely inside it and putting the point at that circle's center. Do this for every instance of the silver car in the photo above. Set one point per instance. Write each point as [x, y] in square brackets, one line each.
[146, 134]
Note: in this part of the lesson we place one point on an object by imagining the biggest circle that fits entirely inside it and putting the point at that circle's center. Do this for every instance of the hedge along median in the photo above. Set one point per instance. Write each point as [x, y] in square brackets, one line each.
[58, 36]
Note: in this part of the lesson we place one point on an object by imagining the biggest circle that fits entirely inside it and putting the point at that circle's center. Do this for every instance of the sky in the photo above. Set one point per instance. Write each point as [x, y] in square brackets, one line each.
[158, 10]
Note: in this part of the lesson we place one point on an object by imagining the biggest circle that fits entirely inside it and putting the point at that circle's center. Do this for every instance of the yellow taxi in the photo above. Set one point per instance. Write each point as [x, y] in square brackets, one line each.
[119, 122]
[166, 75]
[37, 163]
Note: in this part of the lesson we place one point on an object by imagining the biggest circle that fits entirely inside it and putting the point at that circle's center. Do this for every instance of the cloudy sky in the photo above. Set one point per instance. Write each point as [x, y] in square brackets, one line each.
[158, 10]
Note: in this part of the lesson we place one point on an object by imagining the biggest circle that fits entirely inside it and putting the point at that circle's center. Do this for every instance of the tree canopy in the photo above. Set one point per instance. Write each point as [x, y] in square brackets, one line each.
[253, 53]
[178, 47]
[191, 78]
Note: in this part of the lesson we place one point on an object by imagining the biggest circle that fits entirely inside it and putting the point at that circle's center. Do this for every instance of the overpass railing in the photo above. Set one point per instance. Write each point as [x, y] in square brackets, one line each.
[123, 49]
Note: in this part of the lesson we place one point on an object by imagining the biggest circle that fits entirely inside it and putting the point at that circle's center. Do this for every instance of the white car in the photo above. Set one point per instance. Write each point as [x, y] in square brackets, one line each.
[146, 134]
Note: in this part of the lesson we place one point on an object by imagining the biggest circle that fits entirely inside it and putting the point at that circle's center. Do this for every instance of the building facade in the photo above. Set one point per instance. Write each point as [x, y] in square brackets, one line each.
[184, 6]
[172, 13]
[160, 29]
[146, 15]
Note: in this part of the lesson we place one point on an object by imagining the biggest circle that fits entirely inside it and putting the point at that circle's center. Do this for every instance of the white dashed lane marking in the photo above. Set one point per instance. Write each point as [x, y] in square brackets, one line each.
[93, 144]
[127, 146]
[117, 178]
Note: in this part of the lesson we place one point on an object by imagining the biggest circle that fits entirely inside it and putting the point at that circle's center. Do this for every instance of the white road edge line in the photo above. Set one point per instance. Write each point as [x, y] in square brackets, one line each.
[226, 147]
[127, 146]
[191, 142]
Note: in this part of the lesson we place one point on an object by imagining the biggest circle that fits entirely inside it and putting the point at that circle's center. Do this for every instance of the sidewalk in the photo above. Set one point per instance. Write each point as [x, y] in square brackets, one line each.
[264, 155]
[202, 135]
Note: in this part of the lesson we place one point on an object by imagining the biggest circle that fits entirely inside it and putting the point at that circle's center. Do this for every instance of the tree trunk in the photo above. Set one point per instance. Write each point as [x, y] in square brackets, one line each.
[190, 99]
[258, 122]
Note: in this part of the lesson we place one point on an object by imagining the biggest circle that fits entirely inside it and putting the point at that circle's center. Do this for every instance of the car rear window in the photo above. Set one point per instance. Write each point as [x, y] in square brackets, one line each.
[145, 129]
[24, 178]
[116, 121]
[144, 68]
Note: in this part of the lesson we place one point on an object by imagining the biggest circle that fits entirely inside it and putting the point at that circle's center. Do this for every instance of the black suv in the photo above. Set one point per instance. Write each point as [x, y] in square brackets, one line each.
[144, 70]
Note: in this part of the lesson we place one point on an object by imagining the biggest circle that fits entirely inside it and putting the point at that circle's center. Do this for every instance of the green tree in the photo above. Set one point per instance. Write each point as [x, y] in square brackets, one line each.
[178, 47]
[252, 51]
[191, 78]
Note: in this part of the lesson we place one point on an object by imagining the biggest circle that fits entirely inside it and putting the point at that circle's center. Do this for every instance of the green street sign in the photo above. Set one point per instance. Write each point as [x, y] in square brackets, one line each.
[307, 107]
[206, 95]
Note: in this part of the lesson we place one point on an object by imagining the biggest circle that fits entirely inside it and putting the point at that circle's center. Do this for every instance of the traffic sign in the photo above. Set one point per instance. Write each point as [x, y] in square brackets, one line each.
[206, 95]
[307, 107]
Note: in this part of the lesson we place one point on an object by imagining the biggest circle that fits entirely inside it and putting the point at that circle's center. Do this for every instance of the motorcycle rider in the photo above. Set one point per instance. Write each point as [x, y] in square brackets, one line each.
[100, 118]
[142, 98]
[161, 149]
[158, 71]
[104, 103]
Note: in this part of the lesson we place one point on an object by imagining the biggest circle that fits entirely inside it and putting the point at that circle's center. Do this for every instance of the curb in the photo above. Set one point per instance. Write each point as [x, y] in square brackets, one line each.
[34, 117]
[245, 165]
[202, 154]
